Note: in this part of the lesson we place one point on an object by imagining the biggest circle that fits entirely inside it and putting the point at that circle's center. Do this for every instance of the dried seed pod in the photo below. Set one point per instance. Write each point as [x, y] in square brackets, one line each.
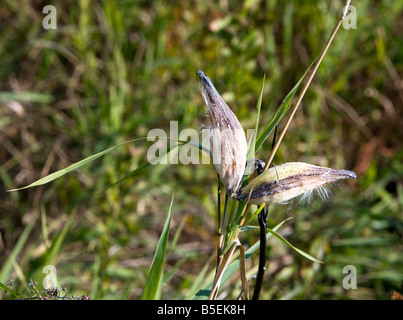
[227, 139]
[289, 180]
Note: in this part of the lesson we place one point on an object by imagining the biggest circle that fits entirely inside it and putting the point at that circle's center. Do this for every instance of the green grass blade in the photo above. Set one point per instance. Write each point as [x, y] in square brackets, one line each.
[74, 166]
[252, 142]
[198, 282]
[57, 244]
[56, 247]
[281, 111]
[8, 265]
[26, 96]
[154, 276]
[259, 104]
[203, 294]
[248, 228]
[147, 164]
[256, 213]
[302, 253]
[131, 174]
[15, 294]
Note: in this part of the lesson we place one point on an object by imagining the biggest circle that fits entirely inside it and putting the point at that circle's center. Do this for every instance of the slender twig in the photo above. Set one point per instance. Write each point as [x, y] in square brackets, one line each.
[242, 271]
[223, 260]
[263, 214]
[329, 41]
[224, 216]
[218, 222]
[223, 265]
[219, 204]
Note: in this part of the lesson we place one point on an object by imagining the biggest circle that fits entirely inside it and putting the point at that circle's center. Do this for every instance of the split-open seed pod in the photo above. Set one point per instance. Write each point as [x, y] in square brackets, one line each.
[228, 144]
[289, 180]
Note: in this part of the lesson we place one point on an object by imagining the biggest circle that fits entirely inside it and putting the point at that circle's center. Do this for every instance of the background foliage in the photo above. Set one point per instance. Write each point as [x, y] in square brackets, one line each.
[113, 70]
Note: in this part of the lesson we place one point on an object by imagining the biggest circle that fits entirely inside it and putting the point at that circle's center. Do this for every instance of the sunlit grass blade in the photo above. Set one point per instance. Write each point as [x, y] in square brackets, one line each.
[259, 104]
[281, 111]
[149, 163]
[252, 142]
[153, 281]
[302, 253]
[256, 213]
[74, 166]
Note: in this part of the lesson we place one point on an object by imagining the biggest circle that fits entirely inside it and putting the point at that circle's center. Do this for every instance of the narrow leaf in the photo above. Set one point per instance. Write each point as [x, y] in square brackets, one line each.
[259, 104]
[153, 281]
[8, 265]
[252, 142]
[14, 293]
[248, 228]
[131, 174]
[302, 253]
[74, 166]
[26, 96]
[281, 111]
[150, 163]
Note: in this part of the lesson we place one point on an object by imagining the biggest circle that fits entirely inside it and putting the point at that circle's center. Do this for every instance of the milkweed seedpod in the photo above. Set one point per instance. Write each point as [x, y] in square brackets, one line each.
[289, 180]
[227, 139]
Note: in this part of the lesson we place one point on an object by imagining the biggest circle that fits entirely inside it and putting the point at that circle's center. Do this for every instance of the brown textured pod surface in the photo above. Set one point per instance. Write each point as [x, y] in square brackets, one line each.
[227, 139]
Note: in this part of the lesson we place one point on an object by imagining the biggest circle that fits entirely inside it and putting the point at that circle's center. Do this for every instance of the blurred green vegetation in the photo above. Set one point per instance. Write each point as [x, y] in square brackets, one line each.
[113, 70]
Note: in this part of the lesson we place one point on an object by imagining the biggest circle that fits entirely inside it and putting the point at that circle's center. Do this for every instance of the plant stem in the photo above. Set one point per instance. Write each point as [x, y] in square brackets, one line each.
[218, 222]
[242, 271]
[262, 217]
[221, 268]
[223, 260]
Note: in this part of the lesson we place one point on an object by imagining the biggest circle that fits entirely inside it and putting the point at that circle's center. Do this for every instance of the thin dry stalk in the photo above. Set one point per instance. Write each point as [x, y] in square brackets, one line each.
[305, 88]
[222, 261]
[223, 265]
